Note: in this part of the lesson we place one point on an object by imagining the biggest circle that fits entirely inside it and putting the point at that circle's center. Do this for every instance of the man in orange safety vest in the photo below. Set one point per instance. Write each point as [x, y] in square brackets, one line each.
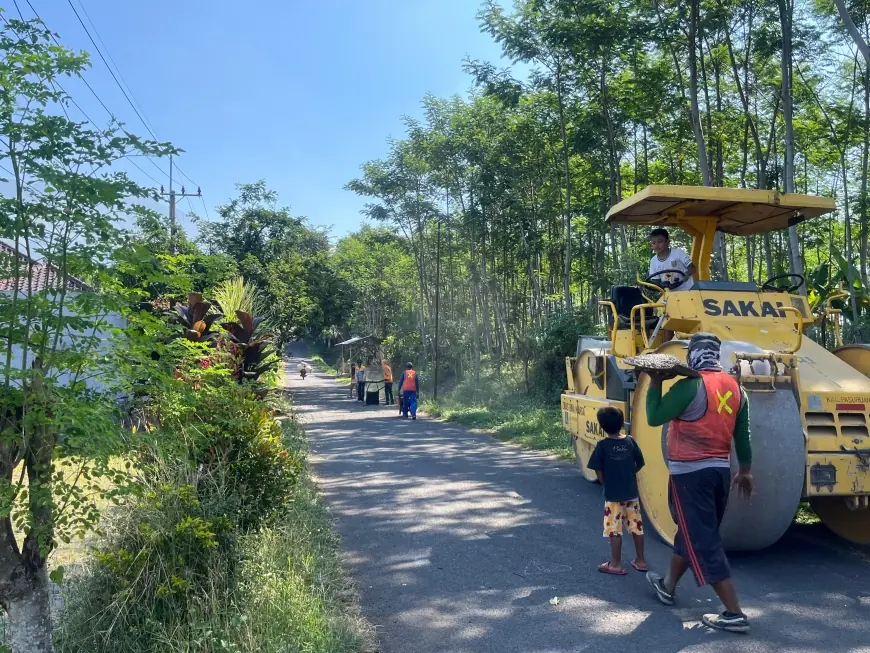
[409, 385]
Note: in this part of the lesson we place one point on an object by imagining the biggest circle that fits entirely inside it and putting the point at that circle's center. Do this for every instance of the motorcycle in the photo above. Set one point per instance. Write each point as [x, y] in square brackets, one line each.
[303, 372]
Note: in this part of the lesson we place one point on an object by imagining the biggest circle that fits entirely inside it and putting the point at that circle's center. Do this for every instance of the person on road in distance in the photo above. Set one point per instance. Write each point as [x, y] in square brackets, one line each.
[388, 382]
[352, 378]
[409, 384]
[666, 257]
[616, 460]
[706, 414]
[360, 381]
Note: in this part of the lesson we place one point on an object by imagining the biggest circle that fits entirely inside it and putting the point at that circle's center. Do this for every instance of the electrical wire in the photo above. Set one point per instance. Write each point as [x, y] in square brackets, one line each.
[111, 72]
[91, 89]
[131, 98]
[109, 55]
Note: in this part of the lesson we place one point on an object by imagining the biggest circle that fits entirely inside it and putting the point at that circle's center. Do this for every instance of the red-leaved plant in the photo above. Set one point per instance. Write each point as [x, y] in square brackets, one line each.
[196, 319]
[253, 352]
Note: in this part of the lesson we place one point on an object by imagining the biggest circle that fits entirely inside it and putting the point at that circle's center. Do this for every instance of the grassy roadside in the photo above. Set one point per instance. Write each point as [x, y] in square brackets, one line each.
[294, 594]
[521, 421]
[498, 405]
[323, 366]
[176, 575]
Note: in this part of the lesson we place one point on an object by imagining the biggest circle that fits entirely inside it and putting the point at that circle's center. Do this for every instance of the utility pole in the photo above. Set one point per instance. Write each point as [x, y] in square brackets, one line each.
[173, 225]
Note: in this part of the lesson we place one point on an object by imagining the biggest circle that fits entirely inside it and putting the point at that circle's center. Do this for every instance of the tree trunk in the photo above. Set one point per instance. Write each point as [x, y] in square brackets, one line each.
[566, 280]
[865, 159]
[703, 161]
[786, 14]
[853, 30]
[29, 615]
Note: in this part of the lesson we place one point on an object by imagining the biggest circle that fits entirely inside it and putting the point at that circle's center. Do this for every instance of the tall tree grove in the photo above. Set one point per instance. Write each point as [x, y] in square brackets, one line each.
[606, 97]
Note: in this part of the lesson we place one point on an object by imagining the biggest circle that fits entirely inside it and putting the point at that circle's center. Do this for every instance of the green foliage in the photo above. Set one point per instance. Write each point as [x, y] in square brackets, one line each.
[182, 570]
[239, 295]
[497, 403]
[284, 256]
[482, 200]
[551, 343]
[223, 426]
[70, 344]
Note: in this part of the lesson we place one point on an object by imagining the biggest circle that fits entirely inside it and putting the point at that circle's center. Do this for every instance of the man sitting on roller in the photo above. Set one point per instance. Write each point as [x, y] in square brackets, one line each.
[666, 257]
[706, 414]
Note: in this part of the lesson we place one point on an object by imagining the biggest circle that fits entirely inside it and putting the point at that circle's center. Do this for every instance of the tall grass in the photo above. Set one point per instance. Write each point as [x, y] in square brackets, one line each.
[175, 575]
[499, 404]
[323, 365]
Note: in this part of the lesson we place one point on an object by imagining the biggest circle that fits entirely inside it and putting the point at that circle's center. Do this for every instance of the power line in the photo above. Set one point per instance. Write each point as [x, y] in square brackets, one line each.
[90, 88]
[184, 174]
[143, 171]
[66, 94]
[109, 54]
[131, 99]
[111, 72]
[207, 217]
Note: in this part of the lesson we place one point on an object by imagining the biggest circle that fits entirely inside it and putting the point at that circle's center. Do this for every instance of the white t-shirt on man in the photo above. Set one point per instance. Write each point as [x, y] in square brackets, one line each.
[676, 259]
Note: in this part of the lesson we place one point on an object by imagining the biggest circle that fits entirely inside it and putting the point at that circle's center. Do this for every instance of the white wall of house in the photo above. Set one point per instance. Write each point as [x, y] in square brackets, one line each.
[67, 340]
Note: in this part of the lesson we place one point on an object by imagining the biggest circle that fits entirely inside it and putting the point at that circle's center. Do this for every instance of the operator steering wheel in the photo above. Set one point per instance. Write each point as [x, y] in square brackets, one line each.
[770, 286]
[650, 278]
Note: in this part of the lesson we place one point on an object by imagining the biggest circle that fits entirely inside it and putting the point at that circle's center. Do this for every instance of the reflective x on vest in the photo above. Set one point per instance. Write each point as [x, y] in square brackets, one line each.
[711, 435]
[410, 383]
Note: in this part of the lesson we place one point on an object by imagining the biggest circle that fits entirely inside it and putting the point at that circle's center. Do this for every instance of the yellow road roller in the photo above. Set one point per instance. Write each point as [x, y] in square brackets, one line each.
[809, 407]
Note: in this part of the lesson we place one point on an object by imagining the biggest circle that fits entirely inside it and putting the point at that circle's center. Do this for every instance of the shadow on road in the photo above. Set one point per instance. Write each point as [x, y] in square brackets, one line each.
[458, 543]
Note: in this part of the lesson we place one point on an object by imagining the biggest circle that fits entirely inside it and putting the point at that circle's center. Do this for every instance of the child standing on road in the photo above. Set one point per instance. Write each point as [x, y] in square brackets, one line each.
[616, 460]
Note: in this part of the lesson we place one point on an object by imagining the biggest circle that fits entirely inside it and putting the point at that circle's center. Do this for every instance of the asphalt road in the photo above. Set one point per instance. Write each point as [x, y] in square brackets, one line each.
[458, 542]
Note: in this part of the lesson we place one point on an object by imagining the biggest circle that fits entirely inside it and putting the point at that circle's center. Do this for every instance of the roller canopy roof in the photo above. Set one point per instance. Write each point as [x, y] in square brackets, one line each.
[738, 211]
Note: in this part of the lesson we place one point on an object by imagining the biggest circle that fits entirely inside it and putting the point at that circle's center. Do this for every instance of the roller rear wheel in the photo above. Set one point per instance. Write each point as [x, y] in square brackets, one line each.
[779, 454]
[857, 356]
[851, 525]
[582, 452]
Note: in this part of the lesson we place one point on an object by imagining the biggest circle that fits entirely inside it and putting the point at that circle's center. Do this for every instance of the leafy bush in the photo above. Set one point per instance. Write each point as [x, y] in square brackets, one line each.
[252, 351]
[552, 342]
[224, 428]
[175, 574]
[164, 554]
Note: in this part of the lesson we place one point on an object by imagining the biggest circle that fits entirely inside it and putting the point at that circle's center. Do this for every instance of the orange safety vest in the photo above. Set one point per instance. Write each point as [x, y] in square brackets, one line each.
[710, 436]
[388, 374]
[410, 383]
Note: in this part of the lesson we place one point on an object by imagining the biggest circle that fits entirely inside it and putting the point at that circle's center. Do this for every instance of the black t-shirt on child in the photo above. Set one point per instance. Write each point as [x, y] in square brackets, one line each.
[620, 459]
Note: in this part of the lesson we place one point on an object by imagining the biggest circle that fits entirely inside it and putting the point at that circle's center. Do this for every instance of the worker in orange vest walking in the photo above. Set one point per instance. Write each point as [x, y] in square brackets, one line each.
[409, 384]
[388, 382]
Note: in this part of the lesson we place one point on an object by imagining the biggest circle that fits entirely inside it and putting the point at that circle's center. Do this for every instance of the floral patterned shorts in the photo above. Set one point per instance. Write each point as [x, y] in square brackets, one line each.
[622, 513]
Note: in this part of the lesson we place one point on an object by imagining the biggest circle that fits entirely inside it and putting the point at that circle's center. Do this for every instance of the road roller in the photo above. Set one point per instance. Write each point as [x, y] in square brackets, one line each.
[809, 407]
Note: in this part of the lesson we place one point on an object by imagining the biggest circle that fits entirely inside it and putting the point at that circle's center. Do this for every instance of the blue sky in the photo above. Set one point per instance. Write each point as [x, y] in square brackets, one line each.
[299, 92]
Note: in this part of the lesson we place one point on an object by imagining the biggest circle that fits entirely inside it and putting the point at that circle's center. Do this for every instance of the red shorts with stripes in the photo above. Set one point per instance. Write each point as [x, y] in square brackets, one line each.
[697, 501]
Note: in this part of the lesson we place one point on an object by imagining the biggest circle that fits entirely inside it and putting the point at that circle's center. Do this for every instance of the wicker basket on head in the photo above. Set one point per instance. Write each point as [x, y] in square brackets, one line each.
[661, 363]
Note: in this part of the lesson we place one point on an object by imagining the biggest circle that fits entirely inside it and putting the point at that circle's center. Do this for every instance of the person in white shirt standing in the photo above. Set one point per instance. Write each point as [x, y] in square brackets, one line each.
[666, 257]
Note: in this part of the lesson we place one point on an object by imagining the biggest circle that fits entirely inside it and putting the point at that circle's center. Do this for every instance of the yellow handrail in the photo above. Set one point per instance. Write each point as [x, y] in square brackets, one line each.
[615, 322]
[829, 310]
[837, 295]
[800, 330]
[642, 308]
